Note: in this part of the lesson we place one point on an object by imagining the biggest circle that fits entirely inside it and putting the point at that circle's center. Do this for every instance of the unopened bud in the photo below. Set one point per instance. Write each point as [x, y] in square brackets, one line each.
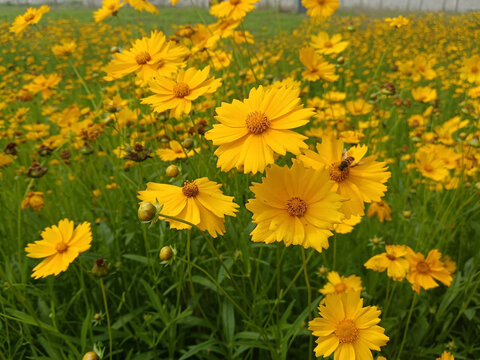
[146, 211]
[407, 214]
[322, 270]
[166, 253]
[100, 268]
[171, 171]
[188, 143]
[90, 356]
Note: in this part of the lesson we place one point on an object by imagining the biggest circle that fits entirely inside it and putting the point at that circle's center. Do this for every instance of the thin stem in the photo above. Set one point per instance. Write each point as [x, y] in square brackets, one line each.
[87, 90]
[309, 296]
[110, 342]
[407, 325]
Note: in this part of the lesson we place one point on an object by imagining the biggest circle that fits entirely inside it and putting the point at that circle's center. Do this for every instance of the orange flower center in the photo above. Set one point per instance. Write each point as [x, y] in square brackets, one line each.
[391, 257]
[321, 2]
[235, 2]
[296, 207]
[328, 44]
[143, 58]
[28, 17]
[190, 189]
[340, 288]
[181, 90]
[339, 172]
[346, 331]
[61, 247]
[428, 168]
[257, 122]
[422, 267]
[474, 69]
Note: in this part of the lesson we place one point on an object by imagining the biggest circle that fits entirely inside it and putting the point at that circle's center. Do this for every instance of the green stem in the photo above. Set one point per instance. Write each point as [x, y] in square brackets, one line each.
[87, 90]
[407, 325]
[309, 297]
[110, 342]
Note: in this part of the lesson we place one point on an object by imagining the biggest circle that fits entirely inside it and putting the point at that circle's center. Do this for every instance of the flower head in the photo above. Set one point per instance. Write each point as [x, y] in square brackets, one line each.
[339, 284]
[109, 8]
[424, 272]
[324, 44]
[31, 16]
[317, 67]
[346, 328]
[232, 9]
[295, 205]
[393, 260]
[60, 245]
[397, 22]
[320, 8]
[143, 5]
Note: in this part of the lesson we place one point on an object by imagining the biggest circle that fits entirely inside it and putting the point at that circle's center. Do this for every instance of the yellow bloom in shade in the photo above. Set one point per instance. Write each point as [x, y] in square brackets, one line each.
[143, 5]
[34, 200]
[109, 8]
[320, 8]
[381, 210]
[60, 245]
[347, 329]
[424, 94]
[200, 202]
[317, 67]
[295, 205]
[358, 178]
[324, 44]
[393, 260]
[339, 284]
[177, 94]
[31, 16]
[232, 9]
[446, 356]
[424, 272]
[250, 131]
[148, 57]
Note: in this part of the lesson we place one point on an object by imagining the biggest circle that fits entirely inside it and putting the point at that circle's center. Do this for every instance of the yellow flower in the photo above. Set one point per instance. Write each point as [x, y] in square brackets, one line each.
[358, 178]
[5, 159]
[424, 94]
[65, 48]
[295, 205]
[471, 69]
[320, 8]
[148, 57]
[393, 260]
[177, 94]
[446, 356]
[397, 22]
[324, 44]
[424, 272]
[339, 284]
[359, 107]
[31, 16]
[174, 152]
[317, 67]
[381, 209]
[109, 8]
[346, 328]
[232, 9]
[200, 202]
[142, 5]
[34, 200]
[430, 165]
[250, 131]
[60, 245]
[44, 84]
[347, 225]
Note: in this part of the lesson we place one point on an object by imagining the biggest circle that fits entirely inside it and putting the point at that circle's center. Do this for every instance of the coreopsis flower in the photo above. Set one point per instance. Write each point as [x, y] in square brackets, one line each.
[340, 284]
[347, 225]
[175, 151]
[250, 131]
[34, 200]
[60, 245]
[430, 165]
[65, 48]
[295, 205]
[148, 57]
[424, 272]
[143, 5]
[44, 84]
[359, 107]
[471, 69]
[31, 16]
[5, 159]
[320, 8]
[317, 67]
[424, 94]
[397, 22]
[200, 202]
[109, 8]
[177, 94]
[446, 356]
[358, 178]
[393, 260]
[381, 210]
[346, 328]
[233, 9]
[324, 44]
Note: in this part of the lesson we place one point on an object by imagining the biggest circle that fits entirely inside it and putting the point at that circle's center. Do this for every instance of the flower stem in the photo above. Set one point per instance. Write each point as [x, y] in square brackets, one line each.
[407, 325]
[309, 296]
[110, 342]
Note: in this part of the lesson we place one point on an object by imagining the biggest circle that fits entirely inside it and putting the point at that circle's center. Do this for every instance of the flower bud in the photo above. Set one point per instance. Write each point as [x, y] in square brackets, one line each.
[407, 214]
[171, 171]
[187, 143]
[100, 268]
[90, 356]
[166, 253]
[146, 211]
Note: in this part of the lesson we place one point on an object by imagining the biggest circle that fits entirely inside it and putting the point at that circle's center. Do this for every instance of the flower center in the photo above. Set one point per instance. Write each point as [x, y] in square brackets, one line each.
[296, 207]
[474, 69]
[321, 2]
[142, 58]
[346, 331]
[235, 2]
[328, 44]
[340, 288]
[190, 189]
[422, 267]
[339, 172]
[181, 90]
[257, 122]
[61, 247]
[428, 168]
[391, 257]
[28, 17]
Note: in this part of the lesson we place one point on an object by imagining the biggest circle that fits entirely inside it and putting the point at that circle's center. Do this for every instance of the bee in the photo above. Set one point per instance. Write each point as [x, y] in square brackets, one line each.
[346, 161]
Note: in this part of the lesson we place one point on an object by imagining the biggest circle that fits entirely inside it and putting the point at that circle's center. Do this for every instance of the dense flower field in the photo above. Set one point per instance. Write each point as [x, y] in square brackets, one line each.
[210, 193]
